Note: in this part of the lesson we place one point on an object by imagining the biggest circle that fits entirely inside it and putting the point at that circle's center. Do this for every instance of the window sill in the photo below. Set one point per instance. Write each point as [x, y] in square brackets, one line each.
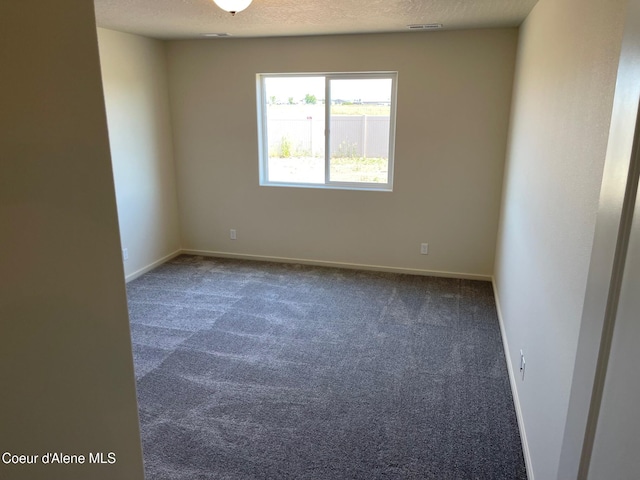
[321, 186]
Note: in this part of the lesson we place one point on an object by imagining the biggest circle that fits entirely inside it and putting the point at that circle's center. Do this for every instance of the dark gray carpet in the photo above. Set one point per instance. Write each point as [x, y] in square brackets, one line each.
[250, 370]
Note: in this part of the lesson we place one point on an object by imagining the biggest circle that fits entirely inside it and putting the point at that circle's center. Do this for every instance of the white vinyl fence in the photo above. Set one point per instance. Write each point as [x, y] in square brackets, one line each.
[351, 136]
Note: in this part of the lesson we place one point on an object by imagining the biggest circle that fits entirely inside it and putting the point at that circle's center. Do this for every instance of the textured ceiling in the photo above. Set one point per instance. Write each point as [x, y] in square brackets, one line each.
[170, 19]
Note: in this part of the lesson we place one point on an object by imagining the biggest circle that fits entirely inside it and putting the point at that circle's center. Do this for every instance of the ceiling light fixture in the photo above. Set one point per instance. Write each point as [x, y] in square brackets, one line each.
[233, 6]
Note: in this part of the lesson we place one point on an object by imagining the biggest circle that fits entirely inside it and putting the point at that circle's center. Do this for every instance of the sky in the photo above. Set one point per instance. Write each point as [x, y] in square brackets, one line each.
[365, 90]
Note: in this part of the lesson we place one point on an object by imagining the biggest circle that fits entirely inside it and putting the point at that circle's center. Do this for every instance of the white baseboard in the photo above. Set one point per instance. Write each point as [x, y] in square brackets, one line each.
[514, 389]
[148, 268]
[351, 266]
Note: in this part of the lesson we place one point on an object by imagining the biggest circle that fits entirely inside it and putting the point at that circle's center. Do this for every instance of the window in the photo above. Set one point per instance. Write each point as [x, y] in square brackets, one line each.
[332, 130]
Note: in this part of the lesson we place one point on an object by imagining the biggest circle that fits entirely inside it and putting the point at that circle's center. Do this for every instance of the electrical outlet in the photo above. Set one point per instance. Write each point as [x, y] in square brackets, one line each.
[232, 234]
[523, 365]
[125, 254]
[424, 249]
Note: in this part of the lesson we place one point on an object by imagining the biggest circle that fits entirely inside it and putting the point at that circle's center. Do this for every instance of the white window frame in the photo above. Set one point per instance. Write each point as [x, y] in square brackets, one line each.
[263, 148]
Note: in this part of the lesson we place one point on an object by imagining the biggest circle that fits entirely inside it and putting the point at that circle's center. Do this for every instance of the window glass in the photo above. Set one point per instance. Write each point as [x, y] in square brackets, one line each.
[327, 130]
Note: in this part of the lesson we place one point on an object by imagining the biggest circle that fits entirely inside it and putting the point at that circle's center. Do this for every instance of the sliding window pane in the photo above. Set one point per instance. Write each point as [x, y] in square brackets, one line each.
[360, 123]
[295, 123]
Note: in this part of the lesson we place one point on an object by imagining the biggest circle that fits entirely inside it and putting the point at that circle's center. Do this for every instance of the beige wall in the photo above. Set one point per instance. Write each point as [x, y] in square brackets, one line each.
[453, 107]
[134, 74]
[563, 95]
[66, 370]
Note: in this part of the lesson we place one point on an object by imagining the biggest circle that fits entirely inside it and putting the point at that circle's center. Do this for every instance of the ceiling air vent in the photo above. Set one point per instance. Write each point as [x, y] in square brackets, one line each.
[425, 26]
[216, 34]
